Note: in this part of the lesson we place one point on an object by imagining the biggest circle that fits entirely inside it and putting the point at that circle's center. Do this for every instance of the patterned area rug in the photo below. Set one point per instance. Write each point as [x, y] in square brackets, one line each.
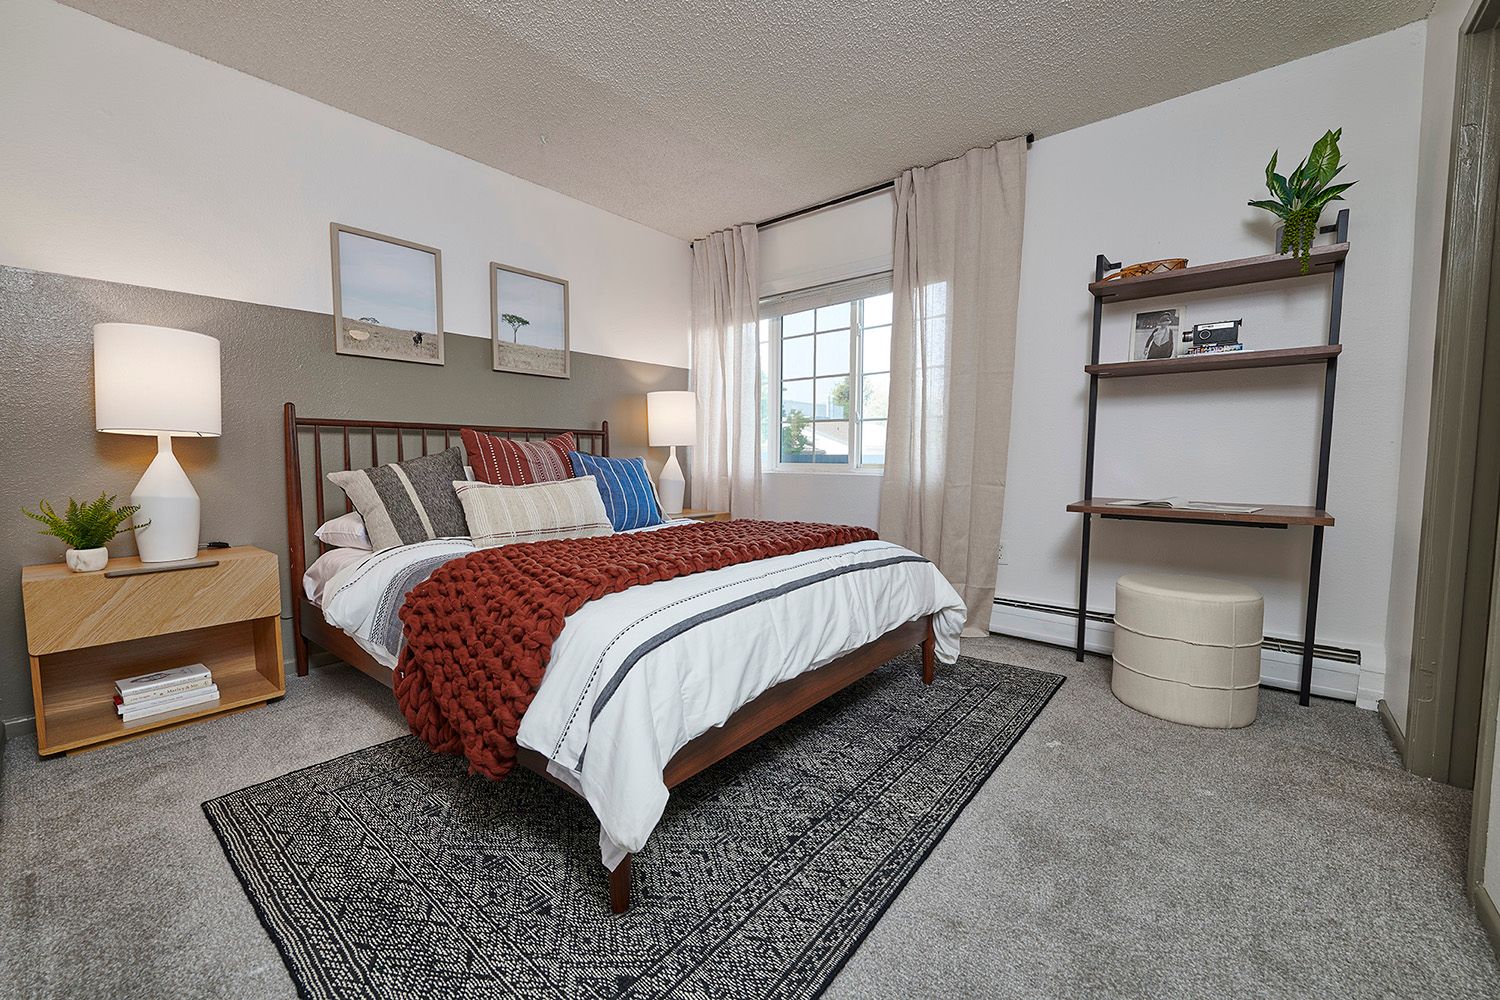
[390, 872]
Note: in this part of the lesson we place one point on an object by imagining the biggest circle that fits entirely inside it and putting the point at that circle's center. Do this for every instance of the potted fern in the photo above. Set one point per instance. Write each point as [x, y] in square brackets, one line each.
[1299, 198]
[85, 528]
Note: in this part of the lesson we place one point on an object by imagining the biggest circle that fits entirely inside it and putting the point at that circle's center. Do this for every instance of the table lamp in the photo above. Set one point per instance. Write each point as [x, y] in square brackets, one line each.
[162, 382]
[671, 420]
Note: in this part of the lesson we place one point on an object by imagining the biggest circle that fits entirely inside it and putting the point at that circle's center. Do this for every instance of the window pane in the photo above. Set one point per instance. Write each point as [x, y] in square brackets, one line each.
[878, 310]
[796, 421]
[877, 396]
[877, 349]
[832, 397]
[834, 317]
[831, 441]
[797, 324]
[833, 353]
[797, 395]
[764, 390]
[872, 442]
[797, 357]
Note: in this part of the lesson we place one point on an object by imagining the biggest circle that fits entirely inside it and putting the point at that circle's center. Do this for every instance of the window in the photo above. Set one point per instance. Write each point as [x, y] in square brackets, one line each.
[816, 348]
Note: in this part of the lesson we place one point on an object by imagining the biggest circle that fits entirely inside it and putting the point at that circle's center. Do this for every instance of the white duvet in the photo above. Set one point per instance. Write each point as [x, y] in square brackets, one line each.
[636, 675]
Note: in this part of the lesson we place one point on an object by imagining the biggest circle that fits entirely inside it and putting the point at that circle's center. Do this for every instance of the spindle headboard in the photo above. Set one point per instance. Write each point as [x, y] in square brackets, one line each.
[338, 444]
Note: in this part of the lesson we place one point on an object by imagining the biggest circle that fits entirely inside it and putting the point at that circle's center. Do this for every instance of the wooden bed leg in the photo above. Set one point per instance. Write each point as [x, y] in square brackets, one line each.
[619, 887]
[299, 651]
[929, 655]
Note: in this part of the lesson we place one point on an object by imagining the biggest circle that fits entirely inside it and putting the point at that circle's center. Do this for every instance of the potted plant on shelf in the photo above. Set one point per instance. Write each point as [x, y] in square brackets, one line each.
[1300, 197]
[85, 528]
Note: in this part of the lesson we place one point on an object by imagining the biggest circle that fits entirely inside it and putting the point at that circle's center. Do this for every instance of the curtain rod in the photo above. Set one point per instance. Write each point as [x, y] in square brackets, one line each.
[853, 195]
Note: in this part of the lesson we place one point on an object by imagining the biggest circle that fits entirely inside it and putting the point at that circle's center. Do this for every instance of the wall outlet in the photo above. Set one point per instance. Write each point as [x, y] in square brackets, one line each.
[1000, 553]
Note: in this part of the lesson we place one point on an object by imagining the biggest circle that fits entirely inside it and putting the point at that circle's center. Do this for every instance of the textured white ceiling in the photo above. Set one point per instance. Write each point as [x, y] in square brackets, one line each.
[691, 115]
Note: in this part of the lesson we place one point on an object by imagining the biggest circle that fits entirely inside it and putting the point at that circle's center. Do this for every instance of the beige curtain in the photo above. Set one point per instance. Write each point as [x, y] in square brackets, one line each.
[955, 278]
[726, 371]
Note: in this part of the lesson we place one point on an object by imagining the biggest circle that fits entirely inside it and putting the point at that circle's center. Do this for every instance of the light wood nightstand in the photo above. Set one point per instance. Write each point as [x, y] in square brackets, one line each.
[705, 515]
[85, 631]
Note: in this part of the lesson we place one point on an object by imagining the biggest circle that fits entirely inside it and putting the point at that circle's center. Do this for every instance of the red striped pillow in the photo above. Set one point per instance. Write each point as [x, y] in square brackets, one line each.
[518, 463]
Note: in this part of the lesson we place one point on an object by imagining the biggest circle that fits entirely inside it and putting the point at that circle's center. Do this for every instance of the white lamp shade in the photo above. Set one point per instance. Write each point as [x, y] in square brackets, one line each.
[155, 380]
[671, 418]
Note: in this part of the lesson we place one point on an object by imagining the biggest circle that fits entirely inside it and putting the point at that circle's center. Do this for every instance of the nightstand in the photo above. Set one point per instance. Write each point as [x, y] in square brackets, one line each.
[705, 515]
[85, 631]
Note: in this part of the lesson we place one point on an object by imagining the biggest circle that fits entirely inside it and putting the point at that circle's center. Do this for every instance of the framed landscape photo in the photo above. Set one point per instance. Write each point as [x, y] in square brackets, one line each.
[387, 297]
[529, 322]
[1156, 334]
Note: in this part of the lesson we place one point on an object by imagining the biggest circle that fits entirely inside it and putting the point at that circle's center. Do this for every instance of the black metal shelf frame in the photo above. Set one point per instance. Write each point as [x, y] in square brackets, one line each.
[1102, 266]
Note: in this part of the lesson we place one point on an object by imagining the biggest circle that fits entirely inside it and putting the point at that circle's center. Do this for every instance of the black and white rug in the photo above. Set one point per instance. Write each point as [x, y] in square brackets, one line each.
[391, 872]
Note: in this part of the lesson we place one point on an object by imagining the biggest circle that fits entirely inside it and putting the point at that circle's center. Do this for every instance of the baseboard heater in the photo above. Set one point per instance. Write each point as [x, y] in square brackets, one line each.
[1336, 669]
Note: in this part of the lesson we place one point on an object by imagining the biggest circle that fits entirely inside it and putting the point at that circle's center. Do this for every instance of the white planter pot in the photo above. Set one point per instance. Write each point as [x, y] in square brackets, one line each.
[87, 560]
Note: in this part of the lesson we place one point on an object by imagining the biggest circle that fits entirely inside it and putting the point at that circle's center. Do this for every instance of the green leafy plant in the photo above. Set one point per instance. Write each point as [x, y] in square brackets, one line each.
[84, 526]
[1300, 196]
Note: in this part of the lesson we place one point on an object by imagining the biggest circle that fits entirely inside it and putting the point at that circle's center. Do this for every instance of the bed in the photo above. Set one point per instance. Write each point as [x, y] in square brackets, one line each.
[763, 675]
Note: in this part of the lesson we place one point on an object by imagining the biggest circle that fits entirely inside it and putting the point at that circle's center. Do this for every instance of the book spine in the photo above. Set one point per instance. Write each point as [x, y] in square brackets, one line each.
[129, 712]
[167, 709]
[138, 697]
[160, 679]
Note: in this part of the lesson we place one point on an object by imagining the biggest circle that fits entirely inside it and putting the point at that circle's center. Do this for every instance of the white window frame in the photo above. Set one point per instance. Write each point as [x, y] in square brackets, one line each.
[772, 309]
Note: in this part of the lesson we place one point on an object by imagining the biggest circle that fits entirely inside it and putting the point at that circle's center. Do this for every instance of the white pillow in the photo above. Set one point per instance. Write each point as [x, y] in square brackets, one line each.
[347, 531]
[501, 515]
[325, 568]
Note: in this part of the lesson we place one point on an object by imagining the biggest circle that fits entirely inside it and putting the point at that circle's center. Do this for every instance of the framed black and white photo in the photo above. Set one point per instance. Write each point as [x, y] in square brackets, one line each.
[387, 297]
[529, 322]
[1156, 334]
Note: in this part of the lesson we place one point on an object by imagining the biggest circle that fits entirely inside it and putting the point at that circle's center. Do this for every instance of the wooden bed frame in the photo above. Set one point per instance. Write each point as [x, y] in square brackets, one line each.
[350, 438]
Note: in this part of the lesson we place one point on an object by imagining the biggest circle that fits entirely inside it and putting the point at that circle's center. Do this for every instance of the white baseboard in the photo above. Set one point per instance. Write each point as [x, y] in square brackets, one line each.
[1278, 669]
[24, 725]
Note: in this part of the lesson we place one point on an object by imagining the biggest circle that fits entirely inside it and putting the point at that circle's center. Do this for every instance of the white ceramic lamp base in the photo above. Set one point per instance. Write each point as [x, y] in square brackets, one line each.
[670, 485]
[169, 502]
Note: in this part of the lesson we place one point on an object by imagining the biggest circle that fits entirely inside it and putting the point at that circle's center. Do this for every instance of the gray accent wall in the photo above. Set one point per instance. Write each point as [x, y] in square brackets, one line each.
[269, 356]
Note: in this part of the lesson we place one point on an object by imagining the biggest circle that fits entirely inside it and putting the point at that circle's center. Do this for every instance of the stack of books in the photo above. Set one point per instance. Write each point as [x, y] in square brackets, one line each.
[163, 692]
[1216, 349]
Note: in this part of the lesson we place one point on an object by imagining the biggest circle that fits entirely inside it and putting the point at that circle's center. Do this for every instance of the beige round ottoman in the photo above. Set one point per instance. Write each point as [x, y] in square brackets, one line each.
[1187, 648]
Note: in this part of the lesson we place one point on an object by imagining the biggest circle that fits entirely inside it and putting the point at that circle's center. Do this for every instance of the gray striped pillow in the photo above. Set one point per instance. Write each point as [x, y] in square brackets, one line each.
[535, 512]
[409, 501]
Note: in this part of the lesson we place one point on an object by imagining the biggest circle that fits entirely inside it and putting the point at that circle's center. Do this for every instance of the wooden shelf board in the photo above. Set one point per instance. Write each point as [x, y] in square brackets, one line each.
[1268, 514]
[77, 686]
[1222, 274]
[1280, 358]
[97, 723]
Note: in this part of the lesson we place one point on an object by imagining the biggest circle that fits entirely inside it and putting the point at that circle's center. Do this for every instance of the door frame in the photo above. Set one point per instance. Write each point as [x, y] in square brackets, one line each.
[1458, 382]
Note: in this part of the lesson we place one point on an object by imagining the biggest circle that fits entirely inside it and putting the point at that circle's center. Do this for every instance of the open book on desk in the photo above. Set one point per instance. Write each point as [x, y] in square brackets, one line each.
[1177, 503]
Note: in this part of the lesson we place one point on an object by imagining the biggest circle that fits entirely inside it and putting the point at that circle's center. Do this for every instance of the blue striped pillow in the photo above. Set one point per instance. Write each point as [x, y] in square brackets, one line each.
[626, 489]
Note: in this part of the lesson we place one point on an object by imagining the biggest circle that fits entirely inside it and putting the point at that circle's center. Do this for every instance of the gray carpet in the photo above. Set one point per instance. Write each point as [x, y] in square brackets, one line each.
[1110, 855]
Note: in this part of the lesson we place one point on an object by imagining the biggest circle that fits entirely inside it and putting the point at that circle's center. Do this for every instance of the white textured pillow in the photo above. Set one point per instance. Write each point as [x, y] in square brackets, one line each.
[347, 531]
[325, 568]
[565, 508]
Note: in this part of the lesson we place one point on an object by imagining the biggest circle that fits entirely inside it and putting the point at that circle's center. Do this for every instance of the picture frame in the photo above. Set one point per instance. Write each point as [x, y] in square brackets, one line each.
[393, 291]
[529, 322]
[1156, 334]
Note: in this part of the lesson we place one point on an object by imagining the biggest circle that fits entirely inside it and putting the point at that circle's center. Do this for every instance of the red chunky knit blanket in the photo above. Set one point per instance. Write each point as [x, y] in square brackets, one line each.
[479, 631]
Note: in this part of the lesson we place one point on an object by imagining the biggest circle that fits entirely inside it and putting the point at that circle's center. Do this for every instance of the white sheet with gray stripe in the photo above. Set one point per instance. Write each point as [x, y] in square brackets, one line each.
[635, 676]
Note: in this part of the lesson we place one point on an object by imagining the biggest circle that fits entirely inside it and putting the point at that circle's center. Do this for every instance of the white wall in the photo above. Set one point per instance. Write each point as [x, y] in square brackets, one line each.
[1439, 76]
[1172, 181]
[846, 241]
[128, 160]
